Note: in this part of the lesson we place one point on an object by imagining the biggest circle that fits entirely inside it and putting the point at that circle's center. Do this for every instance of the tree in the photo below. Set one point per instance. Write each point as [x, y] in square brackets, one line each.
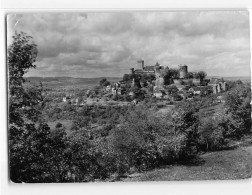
[190, 75]
[57, 160]
[147, 78]
[138, 93]
[166, 75]
[206, 91]
[196, 75]
[211, 135]
[177, 97]
[237, 103]
[174, 73]
[59, 125]
[96, 90]
[28, 138]
[127, 78]
[185, 122]
[172, 89]
[81, 123]
[202, 75]
[21, 55]
[104, 82]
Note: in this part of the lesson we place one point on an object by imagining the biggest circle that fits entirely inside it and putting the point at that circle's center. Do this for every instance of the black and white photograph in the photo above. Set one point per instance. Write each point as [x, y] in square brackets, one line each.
[128, 96]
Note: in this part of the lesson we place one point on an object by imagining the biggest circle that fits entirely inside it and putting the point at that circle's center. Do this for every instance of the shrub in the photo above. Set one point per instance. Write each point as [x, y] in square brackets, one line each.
[160, 105]
[238, 109]
[145, 141]
[211, 136]
[104, 82]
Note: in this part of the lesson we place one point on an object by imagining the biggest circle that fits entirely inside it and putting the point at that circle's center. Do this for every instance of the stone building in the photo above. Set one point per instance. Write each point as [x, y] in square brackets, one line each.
[217, 85]
[157, 92]
[182, 71]
[67, 98]
[182, 81]
[159, 72]
[142, 69]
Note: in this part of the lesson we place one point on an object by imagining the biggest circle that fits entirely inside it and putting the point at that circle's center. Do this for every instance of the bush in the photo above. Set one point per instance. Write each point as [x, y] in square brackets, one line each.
[161, 105]
[104, 82]
[211, 136]
[238, 111]
[145, 141]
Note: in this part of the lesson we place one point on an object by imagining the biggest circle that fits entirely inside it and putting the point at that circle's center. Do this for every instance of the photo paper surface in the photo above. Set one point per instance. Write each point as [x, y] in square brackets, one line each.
[129, 96]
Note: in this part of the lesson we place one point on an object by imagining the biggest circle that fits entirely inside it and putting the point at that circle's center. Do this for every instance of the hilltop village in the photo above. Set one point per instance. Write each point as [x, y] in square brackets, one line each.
[153, 82]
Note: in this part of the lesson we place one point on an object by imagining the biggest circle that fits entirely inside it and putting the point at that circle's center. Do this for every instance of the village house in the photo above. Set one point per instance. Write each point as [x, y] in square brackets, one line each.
[158, 93]
[108, 88]
[217, 85]
[220, 99]
[65, 99]
[195, 90]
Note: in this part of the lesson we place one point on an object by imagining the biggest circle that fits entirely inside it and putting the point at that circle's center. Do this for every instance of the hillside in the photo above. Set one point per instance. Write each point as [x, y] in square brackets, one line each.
[227, 164]
[66, 82]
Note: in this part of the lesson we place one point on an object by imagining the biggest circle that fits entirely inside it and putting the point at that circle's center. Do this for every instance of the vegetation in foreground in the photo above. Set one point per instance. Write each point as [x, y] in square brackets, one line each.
[127, 139]
[220, 165]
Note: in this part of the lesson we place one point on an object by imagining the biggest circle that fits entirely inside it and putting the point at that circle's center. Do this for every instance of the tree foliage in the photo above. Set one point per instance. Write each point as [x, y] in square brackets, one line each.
[127, 78]
[238, 108]
[171, 89]
[202, 75]
[173, 73]
[25, 161]
[145, 141]
[104, 82]
[22, 54]
[190, 75]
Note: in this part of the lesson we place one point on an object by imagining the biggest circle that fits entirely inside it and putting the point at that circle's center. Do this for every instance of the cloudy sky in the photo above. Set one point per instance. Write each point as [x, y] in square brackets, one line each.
[108, 44]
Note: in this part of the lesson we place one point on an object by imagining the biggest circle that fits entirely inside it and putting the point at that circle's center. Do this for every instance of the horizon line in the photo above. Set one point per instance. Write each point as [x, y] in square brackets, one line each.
[110, 76]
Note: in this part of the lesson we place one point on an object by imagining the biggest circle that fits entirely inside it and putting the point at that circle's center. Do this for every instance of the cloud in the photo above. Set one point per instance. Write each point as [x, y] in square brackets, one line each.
[108, 44]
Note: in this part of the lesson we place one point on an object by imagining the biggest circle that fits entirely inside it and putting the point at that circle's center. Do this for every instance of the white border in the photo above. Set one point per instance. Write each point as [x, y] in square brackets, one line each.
[125, 4]
[188, 187]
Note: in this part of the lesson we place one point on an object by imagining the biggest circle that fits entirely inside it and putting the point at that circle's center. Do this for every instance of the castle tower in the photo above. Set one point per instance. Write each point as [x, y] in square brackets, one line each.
[157, 69]
[140, 64]
[159, 82]
[132, 71]
[182, 71]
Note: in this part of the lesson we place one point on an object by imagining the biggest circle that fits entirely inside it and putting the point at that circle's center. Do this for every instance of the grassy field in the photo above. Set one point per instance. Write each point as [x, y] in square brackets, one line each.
[165, 110]
[212, 110]
[221, 165]
[66, 123]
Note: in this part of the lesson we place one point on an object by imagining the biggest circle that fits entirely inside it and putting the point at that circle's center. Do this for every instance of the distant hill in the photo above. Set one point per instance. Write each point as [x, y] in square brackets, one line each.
[69, 82]
[242, 78]
[245, 79]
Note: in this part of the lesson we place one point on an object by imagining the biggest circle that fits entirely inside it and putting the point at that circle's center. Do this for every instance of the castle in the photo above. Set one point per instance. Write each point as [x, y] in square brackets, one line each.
[182, 80]
[157, 70]
[161, 82]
